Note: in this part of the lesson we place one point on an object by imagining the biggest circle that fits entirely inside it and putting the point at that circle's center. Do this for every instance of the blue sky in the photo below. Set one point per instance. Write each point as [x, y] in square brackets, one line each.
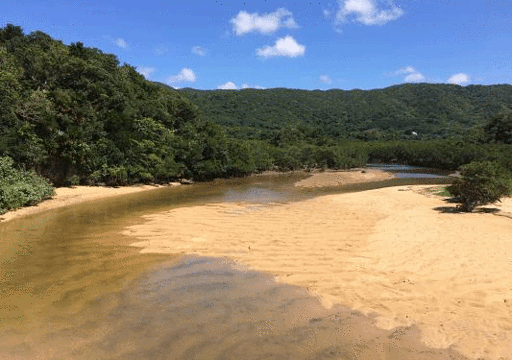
[316, 44]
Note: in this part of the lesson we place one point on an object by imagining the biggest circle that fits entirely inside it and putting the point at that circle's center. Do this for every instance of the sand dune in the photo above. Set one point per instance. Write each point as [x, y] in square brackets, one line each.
[393, 252]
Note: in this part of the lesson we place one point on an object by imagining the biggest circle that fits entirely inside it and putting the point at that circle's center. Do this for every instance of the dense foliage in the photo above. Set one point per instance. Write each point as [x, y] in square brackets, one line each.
[435, 125]
[75, 115]
[481, 183]
[400, 112]
[19, 187]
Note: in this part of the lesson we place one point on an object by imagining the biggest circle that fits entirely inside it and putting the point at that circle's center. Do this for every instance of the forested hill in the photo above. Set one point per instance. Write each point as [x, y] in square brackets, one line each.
[433, 111]
[76, 115]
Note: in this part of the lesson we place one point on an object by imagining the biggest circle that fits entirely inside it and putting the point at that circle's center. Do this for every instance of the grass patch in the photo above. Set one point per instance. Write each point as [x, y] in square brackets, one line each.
[443, 191]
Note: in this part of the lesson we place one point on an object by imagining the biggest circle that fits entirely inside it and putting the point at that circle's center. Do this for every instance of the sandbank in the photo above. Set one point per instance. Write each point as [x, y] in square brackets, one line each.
[335, 178]
[398, 254]
[65, 196]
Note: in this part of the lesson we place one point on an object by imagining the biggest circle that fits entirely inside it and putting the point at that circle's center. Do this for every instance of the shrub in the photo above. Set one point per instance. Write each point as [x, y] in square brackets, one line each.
[118, 175]
[74, 180]
[19, 187]
[480, 183]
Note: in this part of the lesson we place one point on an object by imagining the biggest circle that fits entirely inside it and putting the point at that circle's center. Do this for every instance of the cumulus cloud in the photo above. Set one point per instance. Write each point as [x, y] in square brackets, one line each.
[415, 77]
[231, 86]
[286, 46]
[198, 50]
[245, 22]
[367, 12]
[412, 75]
[184, 75]
[459, 79]
[146, 71]
[121, 43]
[227, 86]
[325, 79]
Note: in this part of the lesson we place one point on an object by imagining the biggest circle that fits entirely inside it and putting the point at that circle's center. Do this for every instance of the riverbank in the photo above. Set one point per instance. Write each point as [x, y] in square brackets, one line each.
[66, 196]
[77, 194]
[400, 254]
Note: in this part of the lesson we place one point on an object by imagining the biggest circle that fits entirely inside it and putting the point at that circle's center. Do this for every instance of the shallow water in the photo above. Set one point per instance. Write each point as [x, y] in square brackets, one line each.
[71, 287]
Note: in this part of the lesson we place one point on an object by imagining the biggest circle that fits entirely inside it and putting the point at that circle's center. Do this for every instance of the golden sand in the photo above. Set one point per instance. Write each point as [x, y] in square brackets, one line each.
[397, 253]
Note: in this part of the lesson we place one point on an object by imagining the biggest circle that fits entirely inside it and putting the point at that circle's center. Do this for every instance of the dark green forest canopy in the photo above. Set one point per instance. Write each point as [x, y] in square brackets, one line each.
[433, 111]
[73, 113]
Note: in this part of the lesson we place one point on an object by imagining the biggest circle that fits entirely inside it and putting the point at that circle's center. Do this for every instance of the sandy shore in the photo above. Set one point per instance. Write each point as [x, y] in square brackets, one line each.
[397, 253]
[74, 195]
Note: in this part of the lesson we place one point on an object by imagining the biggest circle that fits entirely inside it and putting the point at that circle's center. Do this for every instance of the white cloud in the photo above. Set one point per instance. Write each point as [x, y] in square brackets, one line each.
[121, 43]
[184, 75]
[412, 74]
[286, 46]
[459, 79]
[405, 70]
[198, 50]
[231, 86]
[326, 13]
[367, 12]
[415, 77]
[245, 23]
[227, 86]
[146, 71]
[325, 79]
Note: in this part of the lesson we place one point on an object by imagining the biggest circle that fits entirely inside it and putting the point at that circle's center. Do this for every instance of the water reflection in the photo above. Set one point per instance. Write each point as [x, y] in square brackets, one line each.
[412, 172]
[209, 308]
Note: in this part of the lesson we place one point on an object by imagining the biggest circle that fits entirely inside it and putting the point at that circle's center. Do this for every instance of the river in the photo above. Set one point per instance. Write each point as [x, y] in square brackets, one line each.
[72, 288]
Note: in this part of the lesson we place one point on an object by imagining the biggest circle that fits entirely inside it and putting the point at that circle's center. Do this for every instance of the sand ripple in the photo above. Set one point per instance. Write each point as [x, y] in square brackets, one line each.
[386, 252]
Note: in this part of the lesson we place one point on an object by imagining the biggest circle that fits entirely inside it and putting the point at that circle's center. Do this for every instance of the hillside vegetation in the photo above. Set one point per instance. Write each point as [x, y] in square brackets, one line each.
[435, 125]
[74, 115]
[432, 111]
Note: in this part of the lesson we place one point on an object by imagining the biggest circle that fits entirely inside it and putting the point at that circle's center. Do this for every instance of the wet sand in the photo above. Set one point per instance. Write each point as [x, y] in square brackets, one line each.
[396, 254]
[336, 178]
[209, 308]
[65, 196]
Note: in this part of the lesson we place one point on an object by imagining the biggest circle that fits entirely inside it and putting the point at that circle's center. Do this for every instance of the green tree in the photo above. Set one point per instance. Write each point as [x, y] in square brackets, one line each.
[481, 183]
[19, 187]
[499, 128]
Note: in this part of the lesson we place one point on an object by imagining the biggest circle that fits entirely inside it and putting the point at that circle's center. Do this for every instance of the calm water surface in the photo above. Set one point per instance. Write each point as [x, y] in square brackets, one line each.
[72, 288]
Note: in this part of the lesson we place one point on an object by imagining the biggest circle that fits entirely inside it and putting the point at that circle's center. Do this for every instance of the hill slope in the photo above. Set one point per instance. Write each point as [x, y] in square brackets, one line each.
[433, 111]
[74, 114]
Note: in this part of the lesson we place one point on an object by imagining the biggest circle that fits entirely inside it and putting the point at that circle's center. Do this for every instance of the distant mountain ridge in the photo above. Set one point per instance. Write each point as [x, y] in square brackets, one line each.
[433, 111]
